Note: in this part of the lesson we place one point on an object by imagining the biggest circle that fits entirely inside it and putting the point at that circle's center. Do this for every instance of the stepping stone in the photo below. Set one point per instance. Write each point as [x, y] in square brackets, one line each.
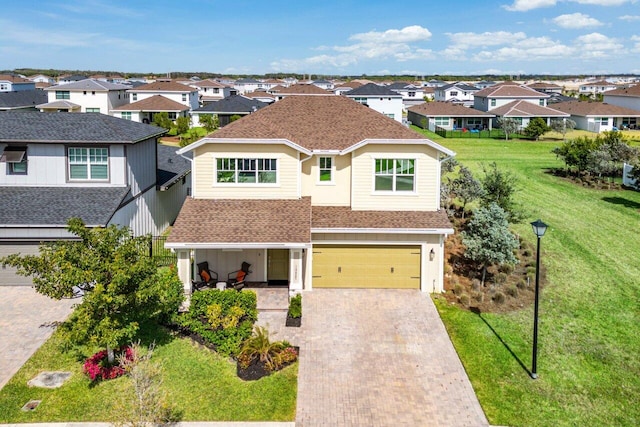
[49, 379]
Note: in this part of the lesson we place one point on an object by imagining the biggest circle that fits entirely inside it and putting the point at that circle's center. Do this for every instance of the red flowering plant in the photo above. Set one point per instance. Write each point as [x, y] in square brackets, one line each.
[97, 367]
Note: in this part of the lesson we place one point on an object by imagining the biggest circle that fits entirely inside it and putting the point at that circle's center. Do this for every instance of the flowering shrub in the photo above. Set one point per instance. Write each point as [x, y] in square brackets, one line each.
[98, 368]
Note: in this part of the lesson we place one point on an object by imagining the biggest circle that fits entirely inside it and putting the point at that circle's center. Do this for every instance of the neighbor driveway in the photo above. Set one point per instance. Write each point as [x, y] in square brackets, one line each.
[380, 358]
[27, 319]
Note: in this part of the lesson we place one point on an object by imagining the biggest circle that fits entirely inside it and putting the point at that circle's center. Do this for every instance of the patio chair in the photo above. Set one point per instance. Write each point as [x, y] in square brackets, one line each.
[236, 279]
[207, 277]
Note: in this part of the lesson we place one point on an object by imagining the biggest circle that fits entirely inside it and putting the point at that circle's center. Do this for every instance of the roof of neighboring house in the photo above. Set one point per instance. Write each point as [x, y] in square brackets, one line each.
[554, 98]
[74, 77]
[153, 103]
[171, 166]
[164, 86]
[302, 89]
[598, 83]
[510, 91]
[523, 108]
[59, 104]
[90, 84]
[320, 123]
[541, 85]
[14, 79]
[633, 91]
[586, 108]
[326, 217]
[233, 104]
[85, 128]
[22, 99]
[260, 94]
[243, 221]
[459, 85]
[372, 89]
[277, 88]
[248, 81]
[208, 83]
[402, 85]
[447, 109]
[53, 206]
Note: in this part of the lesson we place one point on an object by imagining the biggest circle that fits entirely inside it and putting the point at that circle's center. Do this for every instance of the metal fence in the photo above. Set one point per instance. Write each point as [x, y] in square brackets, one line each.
[162, 256]
[460, 133]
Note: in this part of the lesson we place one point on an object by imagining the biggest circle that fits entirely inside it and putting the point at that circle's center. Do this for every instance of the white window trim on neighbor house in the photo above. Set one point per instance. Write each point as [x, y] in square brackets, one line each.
[16, 159]
[330, 169]
[393, 173]
[442, 121]
[63, 94]
[91, 158]
[246, 166]
[125, 115]
[92, 110]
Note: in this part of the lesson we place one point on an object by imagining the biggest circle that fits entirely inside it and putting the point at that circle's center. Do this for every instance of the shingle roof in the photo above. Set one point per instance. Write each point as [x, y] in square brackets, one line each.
[208, 83]
[447, 109]
[344, 217]
[33, 126]
[628, 91]
[171, 166]
[53, 206]
[59, 104]
[14, 79]
[372, 89]
[510, 91]
[526, 109]
[541, 85]
[317, 122]
[248, 81]
[233, 104]
[90, 84]
[164, 86]
[22, 99]
[154, 103]
[461, 86]
[243, 221]
[302, 89]
[585, 108]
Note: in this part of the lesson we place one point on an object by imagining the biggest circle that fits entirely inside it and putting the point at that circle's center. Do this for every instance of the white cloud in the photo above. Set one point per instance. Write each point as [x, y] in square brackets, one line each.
[525, 5]
[630, 18]
[597, 46]
[636, 47]
[576, 20]
[604, 2]
[413, 33]
[495, 38]
[22, 34]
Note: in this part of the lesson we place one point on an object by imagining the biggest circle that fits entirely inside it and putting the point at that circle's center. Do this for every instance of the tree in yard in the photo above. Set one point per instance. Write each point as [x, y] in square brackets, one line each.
[508, 125]
[488, 239]
[499, 188]
[575, 152]
[536, 128]
[119, 282]
[609, 157]
[209, 122]
[183, 124]
[563, 126]
[162, 120]
[446, 183]
[466, 187]
[234, 118]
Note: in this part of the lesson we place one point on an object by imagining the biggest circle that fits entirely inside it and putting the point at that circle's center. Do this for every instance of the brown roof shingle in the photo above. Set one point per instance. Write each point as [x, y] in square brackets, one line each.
[303, 89]
[510, 91]
[344, 217]
[153, 103]
[448, 109]
[163, 86]
[627, 91]
[526, 109]
[586, 108]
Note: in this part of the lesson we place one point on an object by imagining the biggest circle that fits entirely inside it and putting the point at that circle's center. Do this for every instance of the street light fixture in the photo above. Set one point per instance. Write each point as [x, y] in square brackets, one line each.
[539, 228]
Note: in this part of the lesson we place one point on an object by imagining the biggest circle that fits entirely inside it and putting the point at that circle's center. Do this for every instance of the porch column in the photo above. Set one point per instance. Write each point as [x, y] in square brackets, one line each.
[184, 273]
[295, 270]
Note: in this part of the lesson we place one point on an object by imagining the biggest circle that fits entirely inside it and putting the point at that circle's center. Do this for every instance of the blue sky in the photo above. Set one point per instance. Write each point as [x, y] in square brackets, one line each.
[328, 37]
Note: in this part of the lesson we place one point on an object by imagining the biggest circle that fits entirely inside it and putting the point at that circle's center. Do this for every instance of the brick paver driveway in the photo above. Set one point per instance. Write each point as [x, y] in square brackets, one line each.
[380, 358]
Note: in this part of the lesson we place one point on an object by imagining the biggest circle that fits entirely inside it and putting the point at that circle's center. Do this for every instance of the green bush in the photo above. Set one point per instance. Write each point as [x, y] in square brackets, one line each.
[464, 299]
[499, 298]
[295, 306]
[500, 278]
[512, 291]
[506, 268]
[259, 347]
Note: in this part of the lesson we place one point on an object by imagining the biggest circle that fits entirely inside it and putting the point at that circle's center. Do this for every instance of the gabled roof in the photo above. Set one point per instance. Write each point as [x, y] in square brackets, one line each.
[22, 99]
[60, 105]
[171, 166]
[248, 80]
[597, 109]
[343, 217]
[89, 84]
[321, 81]
[85, 128]
[14, 79]
[208, 83]
[233, 104]
[302, 89]
[459, 85]
[598, 83]
[164, 86]
[260, 94]
[523, 108]
[154, 103]
[372, 89]
[633, 91]
[510, 91]
[319, 123]
[447, 109]
[402, 85]
[541, 85]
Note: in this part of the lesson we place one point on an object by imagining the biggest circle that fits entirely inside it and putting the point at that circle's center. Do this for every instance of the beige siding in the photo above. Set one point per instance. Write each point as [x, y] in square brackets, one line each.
[288, 172]
[424, 198]
[337, 193]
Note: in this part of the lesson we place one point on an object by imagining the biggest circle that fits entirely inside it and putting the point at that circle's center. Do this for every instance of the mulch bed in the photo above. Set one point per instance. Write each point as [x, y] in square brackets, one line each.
[257, 369]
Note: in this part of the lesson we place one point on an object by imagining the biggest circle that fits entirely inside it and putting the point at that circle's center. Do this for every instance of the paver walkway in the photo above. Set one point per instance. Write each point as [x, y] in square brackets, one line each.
[376, 357]
[26, 322]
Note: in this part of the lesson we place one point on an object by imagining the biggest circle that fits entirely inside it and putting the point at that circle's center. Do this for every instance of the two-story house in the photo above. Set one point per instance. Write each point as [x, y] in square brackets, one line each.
[594, 88]
[85, 96]
[411, 94]
[13, 83]
[100, 168]
[379, 98]
[316, 192]
[161, 96]
[212, 91]
[247, 85]
[459, 93]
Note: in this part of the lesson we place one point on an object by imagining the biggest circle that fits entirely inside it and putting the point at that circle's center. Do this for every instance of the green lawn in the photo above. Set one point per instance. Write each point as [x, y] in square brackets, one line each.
[202, 386]
[588, 359]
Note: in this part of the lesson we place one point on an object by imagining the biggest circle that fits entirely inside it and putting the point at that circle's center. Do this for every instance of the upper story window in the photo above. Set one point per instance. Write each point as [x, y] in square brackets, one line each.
[361, 100]
[394, 175]
[63, 94]
[325, 170]
[16, 159]
[184, 96]
[390, 115]
[4, 86]
[246, 171]
[453, 93]
[541, 102]
[93, 110]
[134, 96]
[412, 94]
[88, 164]
[493, 102]
[126, 115]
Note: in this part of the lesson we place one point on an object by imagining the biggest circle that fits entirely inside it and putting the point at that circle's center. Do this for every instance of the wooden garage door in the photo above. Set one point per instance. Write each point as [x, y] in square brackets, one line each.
[360, 266]
[8, 276]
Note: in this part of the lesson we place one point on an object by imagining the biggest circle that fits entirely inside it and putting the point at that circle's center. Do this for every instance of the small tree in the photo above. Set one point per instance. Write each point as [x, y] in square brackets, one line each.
[209, 122]
[466, 187]
[508, 125]
[234, 118]
[563, 126]
[499, 188]
[536, 128]
[183, 124]
[488, 239]
[575, 152]
[162, 120]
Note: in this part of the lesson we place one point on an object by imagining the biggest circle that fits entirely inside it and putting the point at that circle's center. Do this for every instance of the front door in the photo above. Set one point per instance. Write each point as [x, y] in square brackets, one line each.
[278, 266]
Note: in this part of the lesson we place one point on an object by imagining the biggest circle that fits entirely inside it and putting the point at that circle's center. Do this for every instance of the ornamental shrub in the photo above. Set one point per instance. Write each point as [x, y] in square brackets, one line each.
[295, 306]
[97, 368]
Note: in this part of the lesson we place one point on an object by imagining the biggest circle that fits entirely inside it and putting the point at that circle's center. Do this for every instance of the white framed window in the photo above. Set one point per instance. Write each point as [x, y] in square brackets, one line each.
[493, 102]
[360, 100]
[63, 94]
[412, 94]
[134, 96]
[4, 86]
[93, 110]
[172, 115]
[442, 121]
[126, 115]
[541, 102]
[246, 171]
[184, 97]
[390, 115]
[88, 164]
[16, 160]
[603, 121]
[394, 175]
[326, 168]
[453, 93]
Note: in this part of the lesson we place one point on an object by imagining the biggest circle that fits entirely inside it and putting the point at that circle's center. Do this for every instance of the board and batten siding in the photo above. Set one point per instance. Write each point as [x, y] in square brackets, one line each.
[425, 196]
[205, 187]
[337, 193]
[141, 165]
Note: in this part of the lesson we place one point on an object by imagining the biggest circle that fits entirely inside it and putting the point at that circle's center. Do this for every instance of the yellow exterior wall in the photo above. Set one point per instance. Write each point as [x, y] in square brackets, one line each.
[205, 186]
[425, 197]
[336, 194]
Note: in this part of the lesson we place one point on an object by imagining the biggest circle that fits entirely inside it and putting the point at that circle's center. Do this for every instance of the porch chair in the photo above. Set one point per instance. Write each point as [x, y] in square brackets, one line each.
[207, 277]
[236, 279]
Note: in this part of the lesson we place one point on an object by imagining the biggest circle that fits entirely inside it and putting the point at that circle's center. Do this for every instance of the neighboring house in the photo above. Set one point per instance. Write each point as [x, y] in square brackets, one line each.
[411, 94]
[248, 85]
[41, 78]
[297, 90]
[379, 98]
[345, 87]
[211, 91]
[144, 111]
[600, 116]
[323, 84]
[13, 83]
[554, 98]
[628, 97]
[523, 111]
[235, 105]
[71, 78]
[595, 88]
[447, 115]
[545, 87]
[429, 92]
[316, 192]
[459, 93]
[483, 84]
[100, 168]
[262, 96]
[23, 100]
[434, 83]
[185, 95]
[505, 93]
[85, 96]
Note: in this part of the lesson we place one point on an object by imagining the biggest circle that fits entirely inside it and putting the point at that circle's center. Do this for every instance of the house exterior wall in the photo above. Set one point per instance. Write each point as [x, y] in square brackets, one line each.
[337, 193]
[425, 196]
[385, 105]
[632, 102]
[482, 103]
[105, 101]
[141, 165]
[287, 186]
[224, 262]
[192, 96]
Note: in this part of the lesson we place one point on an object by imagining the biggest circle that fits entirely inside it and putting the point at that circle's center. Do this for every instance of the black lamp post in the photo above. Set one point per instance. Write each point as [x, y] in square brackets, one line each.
[539, 229]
